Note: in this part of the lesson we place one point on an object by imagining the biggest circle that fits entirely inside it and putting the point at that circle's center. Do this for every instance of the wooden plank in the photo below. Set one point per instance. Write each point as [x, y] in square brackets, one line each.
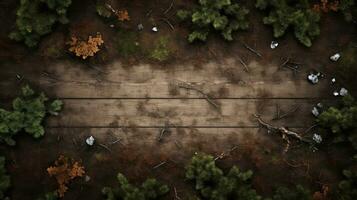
[226, 80]
[189, 112]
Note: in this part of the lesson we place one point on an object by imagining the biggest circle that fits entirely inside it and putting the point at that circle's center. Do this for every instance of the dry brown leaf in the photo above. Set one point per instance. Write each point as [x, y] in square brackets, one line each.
[85, 49]
[64, 171]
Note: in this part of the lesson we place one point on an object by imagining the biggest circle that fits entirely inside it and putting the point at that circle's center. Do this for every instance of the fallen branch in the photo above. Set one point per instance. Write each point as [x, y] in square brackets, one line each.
[252, 50]
[284, 133]
[190, 87]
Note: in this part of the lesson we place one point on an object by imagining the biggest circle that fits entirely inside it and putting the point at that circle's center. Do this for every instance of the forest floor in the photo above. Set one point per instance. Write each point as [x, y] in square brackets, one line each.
[132, 98]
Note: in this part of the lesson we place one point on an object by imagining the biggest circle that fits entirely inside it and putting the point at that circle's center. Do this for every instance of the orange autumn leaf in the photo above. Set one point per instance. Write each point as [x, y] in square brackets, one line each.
[123, 15]
[326, 6]
[65, 170]
[87, 48]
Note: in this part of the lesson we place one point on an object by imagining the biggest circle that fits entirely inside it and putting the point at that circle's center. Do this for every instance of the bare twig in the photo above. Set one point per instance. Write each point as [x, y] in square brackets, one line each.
[244, 65]
[285, 62]
[159, 165]
[311, 127]
[168, 23]
[226, 153]
[252, 50]
[170, 7]
[287, 114]
[208, 98]
[284, 133]
[105, 147]
[163, 131]
[176, 195]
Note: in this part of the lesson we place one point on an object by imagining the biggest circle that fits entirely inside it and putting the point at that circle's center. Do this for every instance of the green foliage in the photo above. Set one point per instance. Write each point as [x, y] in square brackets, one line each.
[49, 196]
[28, 113]
[161, 52]
[127, 42]
[220, 15]
[4, 179]
[348, 9]
[212, 184]
[295, 14]
[299, 193]
[102, 10]
[347, 189]
[35, 18]
[151, 189]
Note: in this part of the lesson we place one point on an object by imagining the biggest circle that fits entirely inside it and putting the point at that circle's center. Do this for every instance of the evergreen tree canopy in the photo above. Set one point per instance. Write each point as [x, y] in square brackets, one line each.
[151, 189]
[296, 14]
[28, 113]
[212, 184]
[35, 18]
[220, 15]
[347, 189]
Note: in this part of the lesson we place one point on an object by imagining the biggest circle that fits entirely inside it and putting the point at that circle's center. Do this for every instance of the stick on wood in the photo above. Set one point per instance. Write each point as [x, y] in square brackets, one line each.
[168, 23]
[244, 65]
[170, 7]
[159, 165]
[208, 98]
[252, 50]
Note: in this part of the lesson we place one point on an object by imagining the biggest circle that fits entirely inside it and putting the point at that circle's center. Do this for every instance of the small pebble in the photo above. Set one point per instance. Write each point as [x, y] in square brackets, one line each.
[155, 29]
[90, 140]
[335, 57]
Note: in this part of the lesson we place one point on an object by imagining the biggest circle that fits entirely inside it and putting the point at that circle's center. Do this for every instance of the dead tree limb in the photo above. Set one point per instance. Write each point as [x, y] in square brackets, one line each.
[208, 98]
[244, 65]
[105, 147]
[284, 133]
[252, 50]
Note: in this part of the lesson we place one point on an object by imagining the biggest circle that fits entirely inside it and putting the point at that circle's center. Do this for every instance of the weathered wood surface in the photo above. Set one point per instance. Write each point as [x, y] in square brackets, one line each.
[227, 80]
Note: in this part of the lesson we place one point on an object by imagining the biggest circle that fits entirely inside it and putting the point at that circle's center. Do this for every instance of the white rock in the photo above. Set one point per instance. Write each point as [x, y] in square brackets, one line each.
[111, 25]
[333, 80]
[335, 57]
[155, 29]
[320, 105]
[315, 112]
[90, 140]
[317, 138]
[335, 93]
[313, 78]
[140, 27]
[343, 92]
[87, 178]
[274, 44]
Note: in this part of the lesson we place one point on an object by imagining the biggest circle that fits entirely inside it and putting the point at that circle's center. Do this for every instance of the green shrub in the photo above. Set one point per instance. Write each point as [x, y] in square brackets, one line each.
[347, 67]
[341, 120]
[295, 14]
[35, 18]
[347, 189]
[212, 184]
[4, 179]
[28, 113]
[127, 42]
[161, 52]
[299, 193]
[220, 15]
[151, 189]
